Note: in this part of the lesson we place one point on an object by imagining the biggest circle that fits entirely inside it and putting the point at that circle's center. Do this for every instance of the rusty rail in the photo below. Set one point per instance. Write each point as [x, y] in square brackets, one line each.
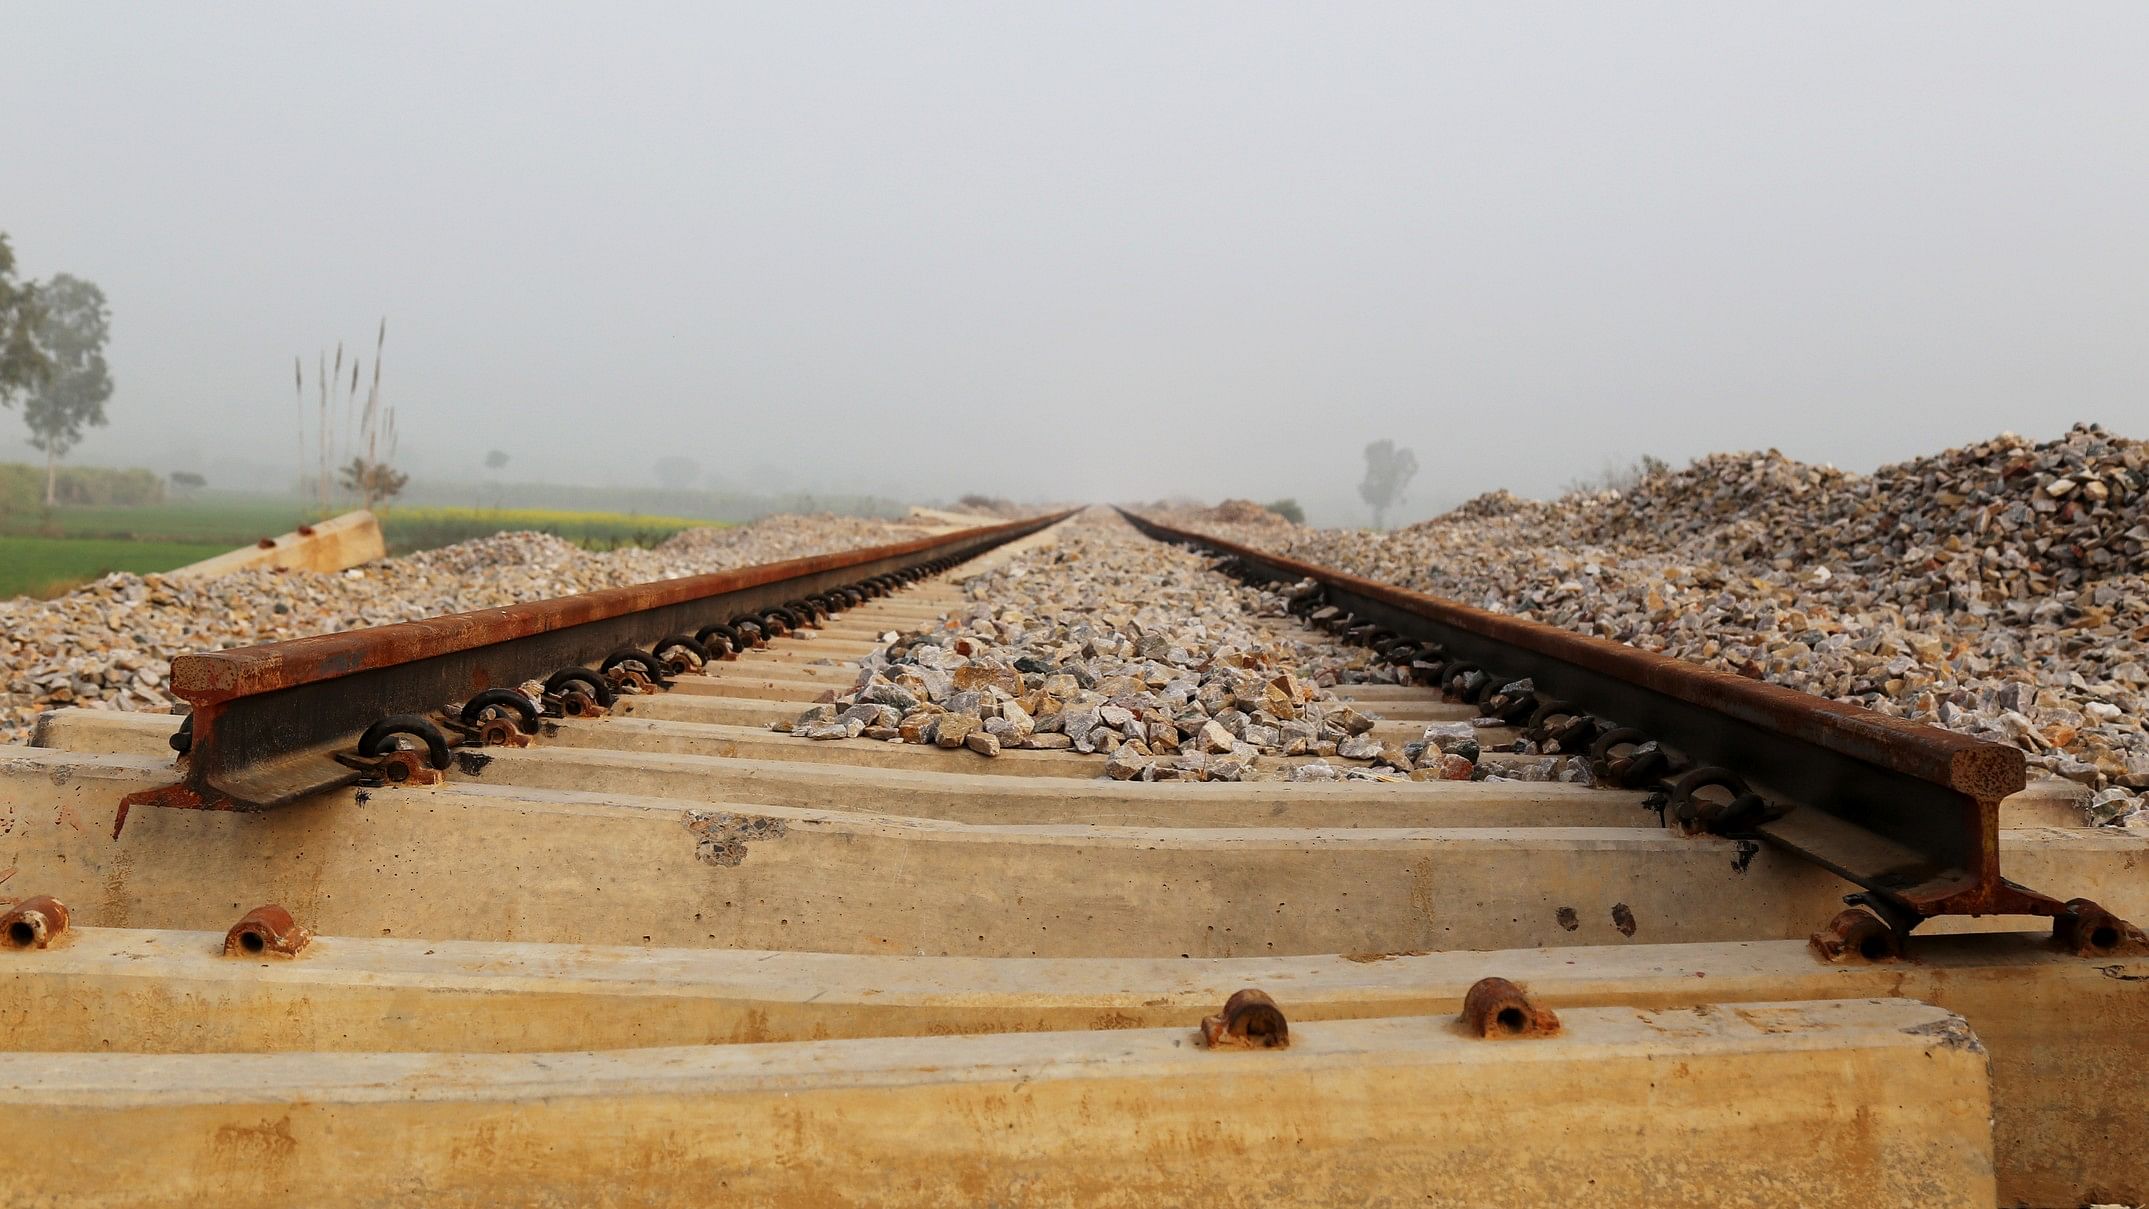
[1908, 812]
[269, 721]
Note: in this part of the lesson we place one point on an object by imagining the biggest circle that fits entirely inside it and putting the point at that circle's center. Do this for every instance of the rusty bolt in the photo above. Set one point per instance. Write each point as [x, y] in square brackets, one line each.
[1250, 1020]
[501, 732]
[2088, 930]
[266, 931]
[403, 767]
[1856, 936]
[1496, 1008]
[33, 923]
[577, 702]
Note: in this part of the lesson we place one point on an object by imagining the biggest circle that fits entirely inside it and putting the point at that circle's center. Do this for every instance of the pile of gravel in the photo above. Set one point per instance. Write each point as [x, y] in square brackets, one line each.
[774, 538]
[1996, 589]
[108, 645]
[1242, 512]
[1104, 641]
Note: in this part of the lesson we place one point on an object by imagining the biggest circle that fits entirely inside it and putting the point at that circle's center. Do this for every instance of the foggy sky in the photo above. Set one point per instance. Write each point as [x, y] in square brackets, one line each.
[1097, 251]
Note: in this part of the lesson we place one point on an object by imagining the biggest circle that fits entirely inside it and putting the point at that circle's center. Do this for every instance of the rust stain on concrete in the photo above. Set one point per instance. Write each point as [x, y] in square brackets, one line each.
[721, 836]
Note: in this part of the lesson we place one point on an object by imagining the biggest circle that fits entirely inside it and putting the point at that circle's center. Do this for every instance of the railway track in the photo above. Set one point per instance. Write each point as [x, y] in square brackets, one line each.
[389, 932]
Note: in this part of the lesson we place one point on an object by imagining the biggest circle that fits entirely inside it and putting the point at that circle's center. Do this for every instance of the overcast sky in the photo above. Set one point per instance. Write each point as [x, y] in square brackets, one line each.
[1097, 251]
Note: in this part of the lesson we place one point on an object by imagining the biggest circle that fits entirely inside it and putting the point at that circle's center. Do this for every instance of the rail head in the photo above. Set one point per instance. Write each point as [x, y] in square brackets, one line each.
[1909, 812]
[269, 721]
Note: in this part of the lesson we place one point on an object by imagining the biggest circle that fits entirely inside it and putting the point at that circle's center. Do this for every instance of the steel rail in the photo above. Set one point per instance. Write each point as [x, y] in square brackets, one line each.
[269, 721]
[1906, 811]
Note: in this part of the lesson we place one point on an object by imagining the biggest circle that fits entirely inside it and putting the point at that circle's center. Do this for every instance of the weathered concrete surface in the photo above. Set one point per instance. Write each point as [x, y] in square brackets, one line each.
[871, 621]
[787, 654]
[2069, 1038]
[552, 865]
[1749, 1105]
[755, 687]
[712, 678]
[557, 866]
[814, 644]
[1406, 710]
[104, 732]
[996, 800]
[722, 711]
[335, 544]
[1389, 692]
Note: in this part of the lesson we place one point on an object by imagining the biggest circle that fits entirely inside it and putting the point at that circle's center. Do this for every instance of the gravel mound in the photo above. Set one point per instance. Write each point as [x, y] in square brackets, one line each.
[774, 538]
[1242, 512]
[1995, 589]
[108, 645]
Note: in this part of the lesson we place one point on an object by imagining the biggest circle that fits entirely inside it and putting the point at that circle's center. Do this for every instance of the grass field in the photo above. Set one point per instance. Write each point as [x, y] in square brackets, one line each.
[46, 566]
[43, 554]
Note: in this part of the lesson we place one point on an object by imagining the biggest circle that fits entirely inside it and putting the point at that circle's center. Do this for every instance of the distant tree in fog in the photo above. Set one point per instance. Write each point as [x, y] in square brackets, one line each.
[185, 481]
[677, 473]
[22, 365]
[69, 329]
[496, 461]
[1388, 471]
[1288, 510]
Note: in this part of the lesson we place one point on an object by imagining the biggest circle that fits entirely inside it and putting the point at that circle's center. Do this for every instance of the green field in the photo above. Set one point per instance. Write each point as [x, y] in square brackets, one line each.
[230, 521]
[46, 566]
[44, 553]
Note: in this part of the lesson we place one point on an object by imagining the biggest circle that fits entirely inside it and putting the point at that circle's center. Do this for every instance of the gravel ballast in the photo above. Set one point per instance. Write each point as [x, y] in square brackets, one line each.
[1100, 640]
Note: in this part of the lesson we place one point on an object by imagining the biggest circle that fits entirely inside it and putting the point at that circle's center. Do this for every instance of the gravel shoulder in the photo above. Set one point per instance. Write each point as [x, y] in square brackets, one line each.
[1996, 589]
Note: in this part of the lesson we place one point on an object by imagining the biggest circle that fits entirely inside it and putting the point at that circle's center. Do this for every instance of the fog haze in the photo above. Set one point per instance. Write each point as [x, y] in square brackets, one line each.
[1095, 251]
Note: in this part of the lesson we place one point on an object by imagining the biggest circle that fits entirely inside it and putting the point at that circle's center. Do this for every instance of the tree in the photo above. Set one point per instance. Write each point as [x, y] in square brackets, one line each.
[677, 473]
[185, 481]
[1288, 510]
[22, 363]
[1388, 471]
[70, 330]
[495, 462]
